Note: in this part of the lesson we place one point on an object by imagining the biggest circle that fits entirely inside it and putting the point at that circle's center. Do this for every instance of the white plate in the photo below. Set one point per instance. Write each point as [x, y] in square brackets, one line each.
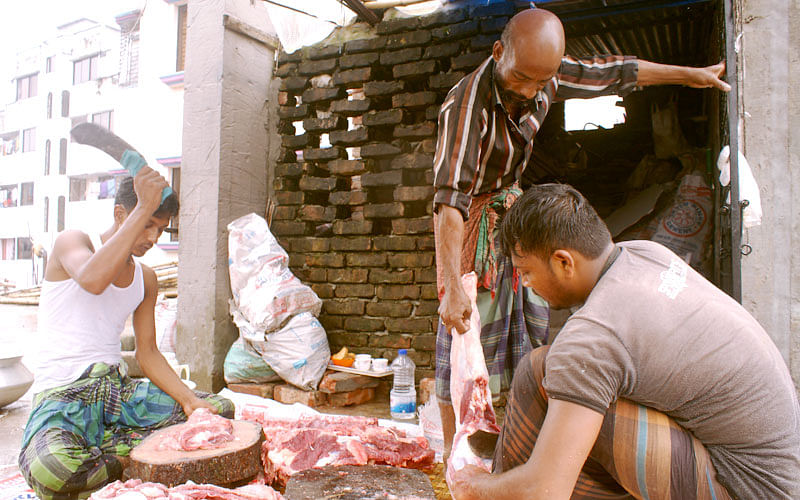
[368, 373]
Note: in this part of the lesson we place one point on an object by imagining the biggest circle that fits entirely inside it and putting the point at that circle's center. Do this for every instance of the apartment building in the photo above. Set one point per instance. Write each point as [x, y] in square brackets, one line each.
[127, 77]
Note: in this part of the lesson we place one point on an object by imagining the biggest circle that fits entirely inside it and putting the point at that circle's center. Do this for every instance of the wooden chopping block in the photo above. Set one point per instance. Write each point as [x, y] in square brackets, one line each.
[359, 482]
[236, 461]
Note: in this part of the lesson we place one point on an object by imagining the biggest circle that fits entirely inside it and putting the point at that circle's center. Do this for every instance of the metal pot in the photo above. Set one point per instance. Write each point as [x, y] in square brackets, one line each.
[15, 380]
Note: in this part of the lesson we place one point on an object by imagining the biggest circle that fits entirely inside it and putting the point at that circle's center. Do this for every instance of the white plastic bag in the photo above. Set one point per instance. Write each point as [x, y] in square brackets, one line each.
[748, 187]
[265, 292]
[166, 318]
[299, 351]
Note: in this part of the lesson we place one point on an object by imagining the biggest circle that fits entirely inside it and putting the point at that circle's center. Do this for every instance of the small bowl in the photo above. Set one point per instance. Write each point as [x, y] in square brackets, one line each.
[346, 362]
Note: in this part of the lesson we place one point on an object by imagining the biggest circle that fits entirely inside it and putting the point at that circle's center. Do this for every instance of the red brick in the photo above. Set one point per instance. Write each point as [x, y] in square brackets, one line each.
[429, 292]
[348, 339]
[346, 167]
[354, 290]
[323, 290]
[295, 112]
[363, 324]
[346, 107]
[443, 16]
[367, 259]
[331, 323]
[387, 117]
[321, 52]
[427, 308]
[288, 394]
[295, 141]
[323, 154]
[445, 80]
[413, 193]
[324, 260]
[364, 45]
[338, 382]
[425, 129]
[414, 69]
[396, 25]
[311, 275]
[384, 210]
[424, 342]
[454, 31]
[425, 275]
[408, 325]
[469, 61]
[358, 60]
[414, 100]
[353, 137]
[392, 341]
[296, 260]
[390, 309]
[345, 307]
[348, 198]
[414, 259]
[308, 244]
[357, 397]
[347, 276]
[420, 358]
[288, 228]
[289, 198]
[260, 390]
[400, 56]
[309, 68]
[408, 39]
[350, 77]
[372, 89]
[384, 276]
[324, 124]
[398, 292]
[285, 100]
[288, 170]
[288, 212]
[317, 213]
[395, 243]
[294, 83]
[412, 161]
[322, 95]
[341, 244]
[426, 243]
[388, 178]
[412, 226]
[444, 50]
[342, 227]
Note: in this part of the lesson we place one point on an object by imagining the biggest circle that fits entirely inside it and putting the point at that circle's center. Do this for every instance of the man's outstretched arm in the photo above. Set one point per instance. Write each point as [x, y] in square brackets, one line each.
[153, 364]
[651, 73]
[567, 436]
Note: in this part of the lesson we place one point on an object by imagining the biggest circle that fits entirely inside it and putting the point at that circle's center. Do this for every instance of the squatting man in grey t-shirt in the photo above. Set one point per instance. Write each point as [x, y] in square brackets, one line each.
[659, 385]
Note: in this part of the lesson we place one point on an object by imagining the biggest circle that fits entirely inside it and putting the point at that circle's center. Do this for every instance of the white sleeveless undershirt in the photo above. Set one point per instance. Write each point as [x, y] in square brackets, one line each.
[77, 328]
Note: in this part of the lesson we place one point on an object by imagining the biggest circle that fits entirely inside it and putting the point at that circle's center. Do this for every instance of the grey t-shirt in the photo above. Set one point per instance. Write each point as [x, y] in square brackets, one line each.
[656, 332]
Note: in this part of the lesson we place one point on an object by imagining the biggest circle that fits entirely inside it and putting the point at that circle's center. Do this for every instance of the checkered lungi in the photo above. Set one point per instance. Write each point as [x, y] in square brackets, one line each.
[640, 452]
[514, 320]
[76, 432]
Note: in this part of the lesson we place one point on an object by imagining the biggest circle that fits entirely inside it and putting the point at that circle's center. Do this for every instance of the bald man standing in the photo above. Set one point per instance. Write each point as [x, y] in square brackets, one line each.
[487, 125]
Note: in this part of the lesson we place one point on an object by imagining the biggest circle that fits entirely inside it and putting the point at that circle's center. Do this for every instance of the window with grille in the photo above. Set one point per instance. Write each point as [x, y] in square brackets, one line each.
[9, 195]
[24, 248]
[46, 214]
[28, 140]
[77, 189]
[181, 59]
[85, 69]
[61, 207]
[26, 194]
[103, 118]
[62, 157]
[65, 104]
[47, 157]
[26, 87]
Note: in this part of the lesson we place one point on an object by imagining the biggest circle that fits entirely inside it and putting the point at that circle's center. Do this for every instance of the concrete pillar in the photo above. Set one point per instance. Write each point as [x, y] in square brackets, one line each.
[229, 60]
[771, 142]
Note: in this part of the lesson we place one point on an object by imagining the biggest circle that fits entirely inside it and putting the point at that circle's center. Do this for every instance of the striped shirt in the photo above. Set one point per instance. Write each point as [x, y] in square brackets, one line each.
[480, 149]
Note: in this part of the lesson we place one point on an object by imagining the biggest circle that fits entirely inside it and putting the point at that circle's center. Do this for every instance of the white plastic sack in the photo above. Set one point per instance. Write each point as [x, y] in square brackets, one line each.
[166, 318]
[299, 351]
[686, 227]
[748, 188]
[265, 292]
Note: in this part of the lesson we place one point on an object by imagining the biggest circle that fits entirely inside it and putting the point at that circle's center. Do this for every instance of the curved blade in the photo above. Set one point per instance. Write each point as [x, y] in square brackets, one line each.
[101, 138]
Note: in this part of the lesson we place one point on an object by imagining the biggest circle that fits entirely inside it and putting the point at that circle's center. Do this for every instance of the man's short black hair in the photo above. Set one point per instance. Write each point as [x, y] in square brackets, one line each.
[126, 196]
[549, 217]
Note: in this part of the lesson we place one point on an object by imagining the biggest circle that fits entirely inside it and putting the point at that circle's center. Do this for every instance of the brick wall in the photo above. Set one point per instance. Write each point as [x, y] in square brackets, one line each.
[353, 191]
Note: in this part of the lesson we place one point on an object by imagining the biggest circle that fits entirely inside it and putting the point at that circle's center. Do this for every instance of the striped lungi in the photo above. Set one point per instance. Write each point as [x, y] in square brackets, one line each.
[76, 432]
[639, 453]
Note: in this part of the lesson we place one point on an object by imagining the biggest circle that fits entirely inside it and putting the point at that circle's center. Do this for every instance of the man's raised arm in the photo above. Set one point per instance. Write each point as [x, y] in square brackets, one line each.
[651, 73]
[95, 271]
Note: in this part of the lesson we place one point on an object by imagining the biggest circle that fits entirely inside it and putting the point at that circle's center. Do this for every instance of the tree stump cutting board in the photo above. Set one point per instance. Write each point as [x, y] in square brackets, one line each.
[359, 482]
[237, 460]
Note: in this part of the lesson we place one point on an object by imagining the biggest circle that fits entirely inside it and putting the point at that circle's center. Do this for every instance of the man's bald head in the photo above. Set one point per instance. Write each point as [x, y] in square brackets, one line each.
[535, 33]
[529, 51]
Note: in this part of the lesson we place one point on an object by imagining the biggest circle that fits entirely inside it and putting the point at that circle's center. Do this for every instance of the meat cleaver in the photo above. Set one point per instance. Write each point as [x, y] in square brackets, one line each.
[92, 134]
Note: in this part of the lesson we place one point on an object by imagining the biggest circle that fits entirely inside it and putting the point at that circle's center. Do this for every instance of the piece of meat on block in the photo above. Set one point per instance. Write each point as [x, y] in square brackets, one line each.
[203, 430]
[469, 388]
[234, 461]
[135, 489]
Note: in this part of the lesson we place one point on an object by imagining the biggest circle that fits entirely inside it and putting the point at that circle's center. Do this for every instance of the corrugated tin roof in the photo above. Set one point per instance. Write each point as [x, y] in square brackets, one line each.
[666, 31]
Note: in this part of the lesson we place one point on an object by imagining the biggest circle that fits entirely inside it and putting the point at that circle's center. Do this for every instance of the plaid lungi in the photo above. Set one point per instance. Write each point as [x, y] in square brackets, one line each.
[514, 320]
[76, 432]
[639, 453]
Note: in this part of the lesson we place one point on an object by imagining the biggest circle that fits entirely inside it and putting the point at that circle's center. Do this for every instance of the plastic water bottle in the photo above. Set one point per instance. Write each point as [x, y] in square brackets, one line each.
[403, 397]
